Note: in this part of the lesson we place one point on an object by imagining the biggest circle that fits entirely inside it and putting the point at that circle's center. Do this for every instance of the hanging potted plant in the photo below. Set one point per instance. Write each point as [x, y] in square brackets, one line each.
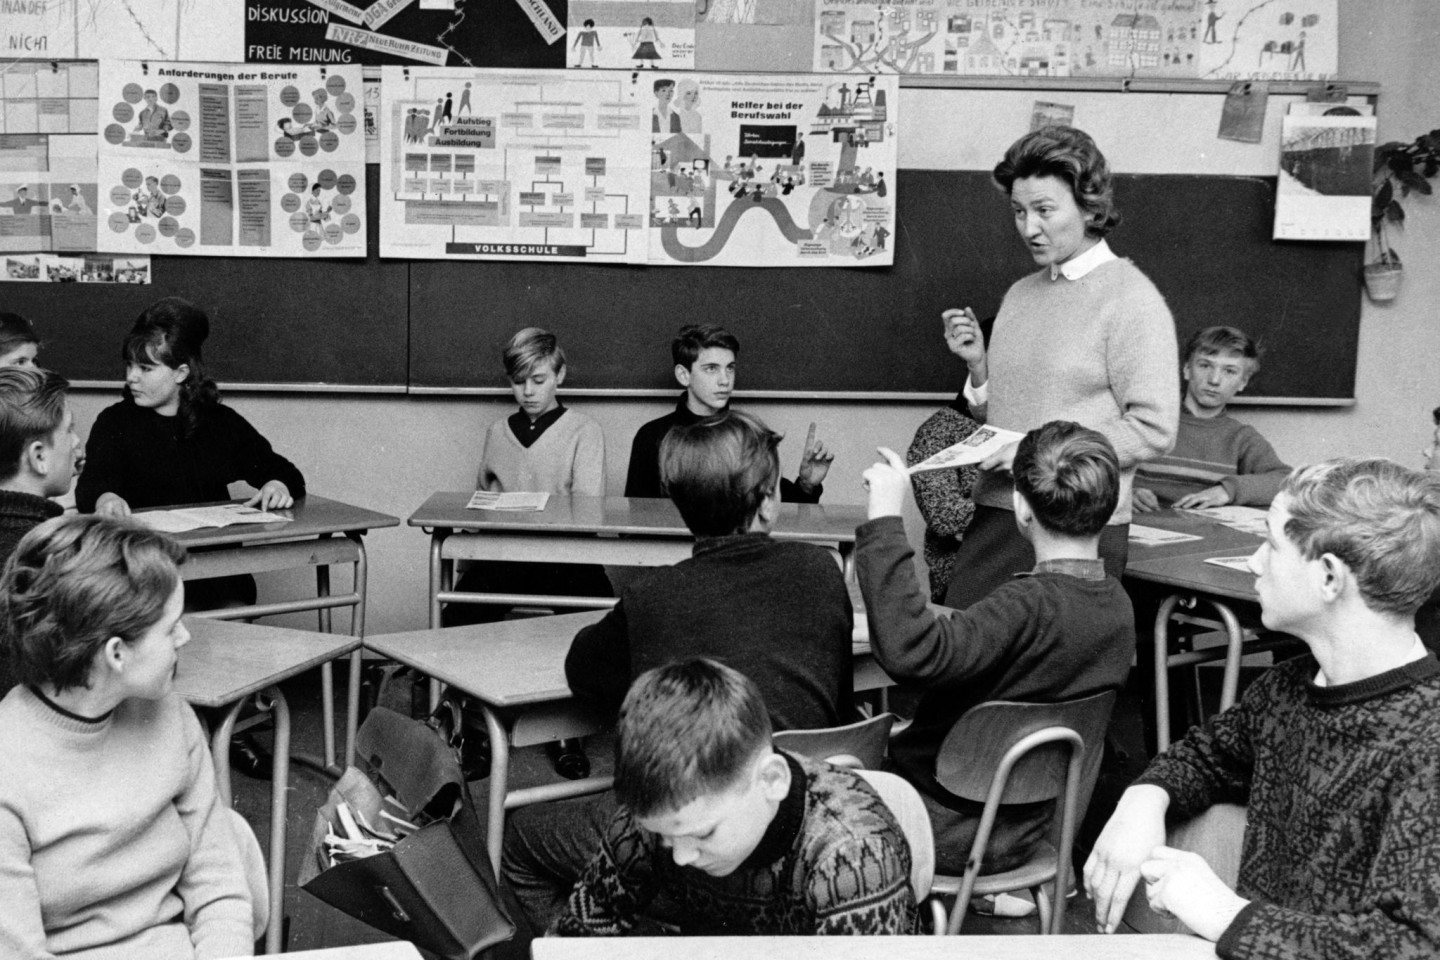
[1399, 169]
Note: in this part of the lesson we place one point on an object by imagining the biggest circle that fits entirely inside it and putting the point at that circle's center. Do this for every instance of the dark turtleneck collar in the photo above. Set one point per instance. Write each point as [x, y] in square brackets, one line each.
[780, 836]
[527, 431]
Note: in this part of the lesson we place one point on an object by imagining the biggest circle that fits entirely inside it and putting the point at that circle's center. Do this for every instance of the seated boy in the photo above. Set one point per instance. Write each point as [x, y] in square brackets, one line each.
[717, 833]
[705, 366]
[1061, 632]
[1336, 753]
[38, 450]
[1217, 460]
[778, 610]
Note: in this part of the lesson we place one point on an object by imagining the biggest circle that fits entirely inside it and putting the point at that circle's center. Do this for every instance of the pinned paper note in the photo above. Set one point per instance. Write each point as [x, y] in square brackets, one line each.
[1242, 117]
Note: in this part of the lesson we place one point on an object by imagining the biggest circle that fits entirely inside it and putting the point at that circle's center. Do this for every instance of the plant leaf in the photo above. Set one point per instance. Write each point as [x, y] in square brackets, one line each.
[1394, 212]
[1415, 182]
[1384, 195]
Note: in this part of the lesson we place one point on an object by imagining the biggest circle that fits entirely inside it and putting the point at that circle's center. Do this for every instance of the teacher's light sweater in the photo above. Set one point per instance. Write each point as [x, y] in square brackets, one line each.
[1099, 350]
[113, 845]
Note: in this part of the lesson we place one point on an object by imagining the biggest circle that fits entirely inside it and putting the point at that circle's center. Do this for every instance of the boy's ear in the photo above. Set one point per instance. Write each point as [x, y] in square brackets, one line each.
[113, 655]
[682, 373]
[774, 774]
[559, 376]
[35, 458]
[1024, 515]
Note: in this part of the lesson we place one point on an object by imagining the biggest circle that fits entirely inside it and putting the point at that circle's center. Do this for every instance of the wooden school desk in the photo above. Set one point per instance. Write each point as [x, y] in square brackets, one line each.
[323, 532]
[394, 950]
[1071, 946]
[516, 670]
[225, 664]
[622, 531]
[1182, 578]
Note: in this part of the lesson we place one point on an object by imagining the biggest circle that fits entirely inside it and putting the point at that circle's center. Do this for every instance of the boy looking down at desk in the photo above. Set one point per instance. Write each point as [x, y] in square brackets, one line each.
[705, 366]
[718, 833]
[1061, 632]
[1216, 460]
[777, 610]
[1336, 753]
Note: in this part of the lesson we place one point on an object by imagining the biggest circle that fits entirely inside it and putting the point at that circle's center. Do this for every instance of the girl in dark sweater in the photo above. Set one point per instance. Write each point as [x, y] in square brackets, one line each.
[171, 441]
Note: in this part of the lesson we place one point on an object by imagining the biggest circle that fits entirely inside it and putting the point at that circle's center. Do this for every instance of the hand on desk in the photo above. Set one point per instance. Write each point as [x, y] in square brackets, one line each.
[1180, 884]
[1131, 835]
[814, 462]
[111, 505]
[1144, 501]
[273, 496]
[1216, 496]
[887, 483]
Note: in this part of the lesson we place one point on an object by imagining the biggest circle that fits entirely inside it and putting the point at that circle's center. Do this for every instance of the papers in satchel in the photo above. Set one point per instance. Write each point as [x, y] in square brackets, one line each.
[973, 449]
[194, 518]
[518, 501]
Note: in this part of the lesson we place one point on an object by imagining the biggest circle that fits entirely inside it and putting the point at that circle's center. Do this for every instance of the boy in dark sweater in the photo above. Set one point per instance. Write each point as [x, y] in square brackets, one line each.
[1336, 753]
[705, 366]
[776, 610]
[1061, 632]
[719, 834]
[38, 450]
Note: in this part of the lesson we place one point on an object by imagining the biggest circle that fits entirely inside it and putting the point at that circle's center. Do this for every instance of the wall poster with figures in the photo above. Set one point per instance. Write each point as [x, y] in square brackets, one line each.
[772, 170]
[229, 159]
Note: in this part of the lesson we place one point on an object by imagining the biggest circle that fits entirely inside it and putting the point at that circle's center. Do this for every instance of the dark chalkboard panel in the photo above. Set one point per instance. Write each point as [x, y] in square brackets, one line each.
[1205, 241]
[283, 321]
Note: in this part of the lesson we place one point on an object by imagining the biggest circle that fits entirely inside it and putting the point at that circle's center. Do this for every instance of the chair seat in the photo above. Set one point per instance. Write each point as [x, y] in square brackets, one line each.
[1039, 869]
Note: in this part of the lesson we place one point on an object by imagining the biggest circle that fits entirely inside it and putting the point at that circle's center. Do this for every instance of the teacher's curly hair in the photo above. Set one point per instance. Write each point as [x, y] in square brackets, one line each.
[1070, 155]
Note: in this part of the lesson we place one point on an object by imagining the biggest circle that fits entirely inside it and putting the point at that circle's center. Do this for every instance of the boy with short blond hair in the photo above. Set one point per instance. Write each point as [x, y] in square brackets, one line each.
[1061, 632]
[718, 833]
[1216, 460]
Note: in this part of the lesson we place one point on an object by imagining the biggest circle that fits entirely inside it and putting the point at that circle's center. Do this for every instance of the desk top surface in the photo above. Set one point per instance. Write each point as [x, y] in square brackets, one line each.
[1073, 947]
[645, 516]
[394, 950]
[1183, 564]
[313, 517]
[225, 660]
[511, 663]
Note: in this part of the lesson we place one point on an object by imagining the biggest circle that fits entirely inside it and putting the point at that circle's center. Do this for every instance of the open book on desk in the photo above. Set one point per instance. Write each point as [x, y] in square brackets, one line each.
[974, 448]
[513, 502]
[184, 519]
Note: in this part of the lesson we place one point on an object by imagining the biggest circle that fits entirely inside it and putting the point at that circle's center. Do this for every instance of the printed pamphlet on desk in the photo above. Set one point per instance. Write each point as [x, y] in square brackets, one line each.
[1144, 536]
[194, 518]
[1245, 519]
[973, 449]
[518, 502]
[1240, 564]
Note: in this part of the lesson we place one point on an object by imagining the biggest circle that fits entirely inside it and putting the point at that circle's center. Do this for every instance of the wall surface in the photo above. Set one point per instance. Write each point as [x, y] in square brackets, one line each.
[390, 453]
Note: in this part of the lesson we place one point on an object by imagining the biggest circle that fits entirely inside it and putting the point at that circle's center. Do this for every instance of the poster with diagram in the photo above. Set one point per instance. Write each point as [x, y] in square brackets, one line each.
[1180, 39]
[511, 165]
[93, 29]
[228, 159]
[772, 170]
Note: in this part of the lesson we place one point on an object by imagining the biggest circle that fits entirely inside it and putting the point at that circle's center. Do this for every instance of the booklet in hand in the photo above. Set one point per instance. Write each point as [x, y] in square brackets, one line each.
[973, 449]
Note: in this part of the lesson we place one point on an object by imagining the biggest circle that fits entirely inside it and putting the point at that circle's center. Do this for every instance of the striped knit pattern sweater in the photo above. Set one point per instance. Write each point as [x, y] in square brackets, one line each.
[1341, 859]
[833, 861]
[1099, 350]
[1216, 450]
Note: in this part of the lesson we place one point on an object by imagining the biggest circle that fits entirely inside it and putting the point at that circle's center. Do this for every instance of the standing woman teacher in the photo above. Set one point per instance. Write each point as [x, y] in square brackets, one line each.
[1085, 338]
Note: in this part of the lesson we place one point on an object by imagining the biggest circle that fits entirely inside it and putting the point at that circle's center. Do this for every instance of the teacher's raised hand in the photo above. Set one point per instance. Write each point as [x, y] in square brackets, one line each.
[963, 337]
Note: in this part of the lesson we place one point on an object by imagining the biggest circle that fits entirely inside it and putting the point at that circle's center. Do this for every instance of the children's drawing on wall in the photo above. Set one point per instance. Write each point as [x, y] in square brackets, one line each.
[1259, 39]
[1326, 163]
[91, 30]
[783, 170]
[610, 33]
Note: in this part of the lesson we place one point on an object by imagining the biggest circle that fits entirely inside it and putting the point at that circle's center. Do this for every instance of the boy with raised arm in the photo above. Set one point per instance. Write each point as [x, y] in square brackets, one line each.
[718, 833]
[1216, 460]
[1336, 753]
[705, 366]
[38, 450]
[1061, 632]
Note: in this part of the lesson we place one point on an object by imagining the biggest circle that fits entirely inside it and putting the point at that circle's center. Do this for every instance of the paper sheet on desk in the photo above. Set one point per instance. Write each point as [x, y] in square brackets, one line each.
[974, 448]
[195, 518]
[1242, 564]
[518, 501]
[1154, 536]
[1245, 519]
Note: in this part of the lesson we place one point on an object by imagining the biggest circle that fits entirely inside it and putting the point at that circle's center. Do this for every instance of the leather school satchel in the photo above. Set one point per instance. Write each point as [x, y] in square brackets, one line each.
[434, 887]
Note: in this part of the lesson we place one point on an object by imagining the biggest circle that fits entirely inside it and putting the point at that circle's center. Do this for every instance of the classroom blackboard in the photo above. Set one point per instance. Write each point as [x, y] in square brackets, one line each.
[1204, 241]
[273, 321]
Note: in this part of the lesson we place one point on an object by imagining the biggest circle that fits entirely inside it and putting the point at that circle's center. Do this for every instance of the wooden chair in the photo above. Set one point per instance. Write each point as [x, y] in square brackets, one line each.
[909, 811]
[1002, 752]
[859, 746]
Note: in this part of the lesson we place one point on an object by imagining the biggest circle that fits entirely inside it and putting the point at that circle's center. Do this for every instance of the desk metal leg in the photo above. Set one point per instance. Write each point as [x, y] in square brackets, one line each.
[1234, 644]
[1161, 635]
[357, 659]
[279, 797]
[499, 785]
[327, 673]
[440, 574]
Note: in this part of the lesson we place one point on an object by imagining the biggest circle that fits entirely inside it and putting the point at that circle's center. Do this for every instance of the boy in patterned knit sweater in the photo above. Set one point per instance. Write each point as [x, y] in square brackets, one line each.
[1336, 753]
[719, 834]
[1216, 460]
